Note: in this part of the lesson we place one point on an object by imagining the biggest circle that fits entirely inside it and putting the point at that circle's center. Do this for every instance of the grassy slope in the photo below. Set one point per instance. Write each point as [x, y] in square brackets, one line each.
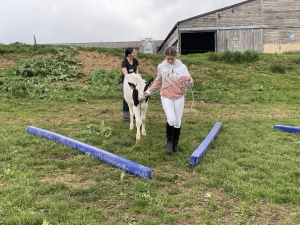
[250, 174]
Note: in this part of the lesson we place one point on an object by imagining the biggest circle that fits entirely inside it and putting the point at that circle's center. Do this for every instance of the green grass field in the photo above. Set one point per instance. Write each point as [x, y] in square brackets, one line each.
[249, 175]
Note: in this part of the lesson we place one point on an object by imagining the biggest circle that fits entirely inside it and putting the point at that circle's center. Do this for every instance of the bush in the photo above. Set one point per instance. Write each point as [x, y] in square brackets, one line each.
[213, 56]
[277, 68]
[250, 56]
[227, 56]
[237, 57]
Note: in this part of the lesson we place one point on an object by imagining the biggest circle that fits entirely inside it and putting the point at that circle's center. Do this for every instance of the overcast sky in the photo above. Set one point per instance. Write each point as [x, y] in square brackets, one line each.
[74, 21]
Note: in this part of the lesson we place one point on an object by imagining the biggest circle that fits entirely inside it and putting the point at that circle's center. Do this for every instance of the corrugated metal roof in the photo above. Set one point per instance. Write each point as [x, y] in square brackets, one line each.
[122, 45]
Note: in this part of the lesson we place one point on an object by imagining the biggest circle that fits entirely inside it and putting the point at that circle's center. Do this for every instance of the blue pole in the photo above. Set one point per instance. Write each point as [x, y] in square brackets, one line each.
[203, 147]
[285, 128]
[117, 161]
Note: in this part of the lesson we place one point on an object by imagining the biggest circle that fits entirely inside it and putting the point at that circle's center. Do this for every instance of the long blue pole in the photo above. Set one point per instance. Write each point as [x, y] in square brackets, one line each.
[285, 128]
[203, 147]
[117, 161]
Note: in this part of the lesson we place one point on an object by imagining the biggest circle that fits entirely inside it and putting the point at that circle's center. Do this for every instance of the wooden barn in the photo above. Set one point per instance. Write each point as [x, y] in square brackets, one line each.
[269, 26]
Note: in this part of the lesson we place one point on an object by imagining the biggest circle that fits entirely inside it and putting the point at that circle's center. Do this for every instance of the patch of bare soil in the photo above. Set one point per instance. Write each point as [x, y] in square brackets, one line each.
[5, 63]
[145, 65]
[69, 179]
[96, 60]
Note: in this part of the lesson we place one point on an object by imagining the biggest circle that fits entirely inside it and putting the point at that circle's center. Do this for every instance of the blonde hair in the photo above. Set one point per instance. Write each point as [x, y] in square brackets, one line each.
[171, 51]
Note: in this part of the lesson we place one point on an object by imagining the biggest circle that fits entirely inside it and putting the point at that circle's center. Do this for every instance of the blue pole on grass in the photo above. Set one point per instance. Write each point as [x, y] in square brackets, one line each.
[285, 128]
[203, 147]
[117, 161]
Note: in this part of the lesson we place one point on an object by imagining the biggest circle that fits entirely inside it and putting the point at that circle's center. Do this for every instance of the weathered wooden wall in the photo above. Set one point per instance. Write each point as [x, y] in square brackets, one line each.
[242, 15]
[239, 40]
[283, 20]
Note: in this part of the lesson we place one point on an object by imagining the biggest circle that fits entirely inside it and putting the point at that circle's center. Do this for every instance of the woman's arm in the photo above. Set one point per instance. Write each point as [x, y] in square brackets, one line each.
[187, 78]
[157, 82]
[124, 71]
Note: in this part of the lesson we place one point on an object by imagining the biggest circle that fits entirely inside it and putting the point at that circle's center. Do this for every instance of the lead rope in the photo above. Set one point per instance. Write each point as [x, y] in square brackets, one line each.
[191, 109]
[160, 90]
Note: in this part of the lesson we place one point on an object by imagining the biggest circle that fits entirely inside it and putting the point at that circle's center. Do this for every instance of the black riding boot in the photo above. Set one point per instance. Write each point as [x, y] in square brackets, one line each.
[175, 140]
[170, 133]
[126, 117]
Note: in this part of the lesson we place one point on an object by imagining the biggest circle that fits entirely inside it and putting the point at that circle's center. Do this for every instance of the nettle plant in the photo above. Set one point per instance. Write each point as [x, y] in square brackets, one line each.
[102, 77]
[103, 83]
[61, 66]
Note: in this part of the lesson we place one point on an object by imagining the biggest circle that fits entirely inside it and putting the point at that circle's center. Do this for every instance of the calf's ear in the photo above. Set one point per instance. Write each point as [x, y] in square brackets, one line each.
[148, 84]
[149, 81]
[132, 86]
[135, 97]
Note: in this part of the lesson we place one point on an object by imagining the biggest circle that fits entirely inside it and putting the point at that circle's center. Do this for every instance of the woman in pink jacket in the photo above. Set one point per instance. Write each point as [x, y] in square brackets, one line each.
[173, 77]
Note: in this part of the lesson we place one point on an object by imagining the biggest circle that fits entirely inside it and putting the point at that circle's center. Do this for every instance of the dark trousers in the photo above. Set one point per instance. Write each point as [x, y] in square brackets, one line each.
[125, 105]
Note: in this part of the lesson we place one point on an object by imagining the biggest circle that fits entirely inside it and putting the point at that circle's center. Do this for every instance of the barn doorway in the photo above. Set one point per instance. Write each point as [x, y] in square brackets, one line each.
[199, 42]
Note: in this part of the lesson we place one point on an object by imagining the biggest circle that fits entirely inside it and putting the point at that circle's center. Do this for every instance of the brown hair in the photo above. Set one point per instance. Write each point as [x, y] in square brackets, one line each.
[171, 51]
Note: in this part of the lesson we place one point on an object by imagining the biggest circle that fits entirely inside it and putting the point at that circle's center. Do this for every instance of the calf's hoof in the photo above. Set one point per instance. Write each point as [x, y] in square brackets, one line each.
[131, 126]
[137, 138]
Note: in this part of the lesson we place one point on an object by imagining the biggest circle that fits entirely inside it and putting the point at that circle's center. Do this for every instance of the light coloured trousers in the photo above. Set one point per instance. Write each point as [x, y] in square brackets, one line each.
[173, 108]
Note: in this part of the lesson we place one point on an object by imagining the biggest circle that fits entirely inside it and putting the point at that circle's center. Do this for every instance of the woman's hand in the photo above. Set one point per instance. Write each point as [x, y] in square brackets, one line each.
[145, 94]
[185, 78]
[142, 97]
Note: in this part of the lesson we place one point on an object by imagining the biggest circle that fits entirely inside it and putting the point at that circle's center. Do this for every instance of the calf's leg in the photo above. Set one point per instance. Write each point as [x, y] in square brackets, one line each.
[143, 119]
[137, 114]
[131, 111]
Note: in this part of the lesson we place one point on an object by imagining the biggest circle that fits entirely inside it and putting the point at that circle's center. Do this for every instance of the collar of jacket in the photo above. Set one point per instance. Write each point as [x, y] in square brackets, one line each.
[177, 62]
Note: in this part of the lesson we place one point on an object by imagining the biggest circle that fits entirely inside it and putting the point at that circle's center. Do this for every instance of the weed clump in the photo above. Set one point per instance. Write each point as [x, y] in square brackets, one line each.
[296, 61]
[277, 68]
[213, 56]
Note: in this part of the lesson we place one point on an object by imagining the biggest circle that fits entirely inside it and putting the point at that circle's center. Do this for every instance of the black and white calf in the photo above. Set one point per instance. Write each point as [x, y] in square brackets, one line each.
[134, 88]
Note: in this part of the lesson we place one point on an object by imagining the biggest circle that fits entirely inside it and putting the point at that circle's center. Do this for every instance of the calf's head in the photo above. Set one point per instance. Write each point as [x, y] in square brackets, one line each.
[135, 91]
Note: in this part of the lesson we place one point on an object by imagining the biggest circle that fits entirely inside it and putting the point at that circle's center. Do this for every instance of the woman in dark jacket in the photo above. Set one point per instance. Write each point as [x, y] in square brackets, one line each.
[128, 65]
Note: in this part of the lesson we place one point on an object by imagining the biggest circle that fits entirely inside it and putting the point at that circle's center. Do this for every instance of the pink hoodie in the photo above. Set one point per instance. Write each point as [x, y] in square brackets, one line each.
[169, 75]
